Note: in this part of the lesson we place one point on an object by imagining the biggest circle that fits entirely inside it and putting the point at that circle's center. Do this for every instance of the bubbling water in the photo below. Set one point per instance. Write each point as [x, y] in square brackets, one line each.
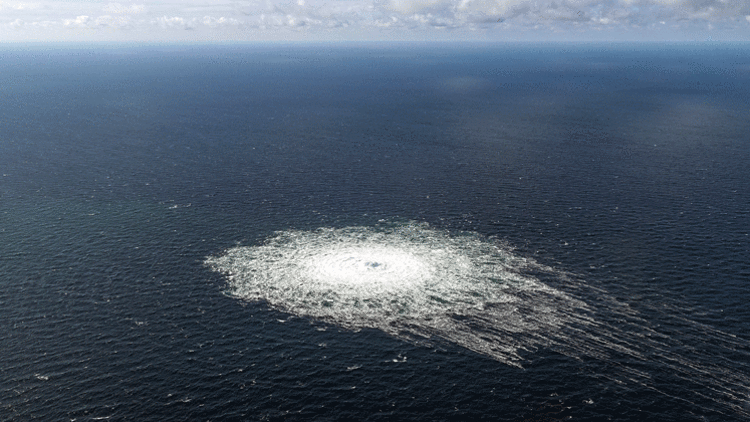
[410, 281]
[418, 283]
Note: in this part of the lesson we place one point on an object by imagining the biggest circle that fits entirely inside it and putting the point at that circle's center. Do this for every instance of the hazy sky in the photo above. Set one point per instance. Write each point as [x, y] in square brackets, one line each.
[320, 20]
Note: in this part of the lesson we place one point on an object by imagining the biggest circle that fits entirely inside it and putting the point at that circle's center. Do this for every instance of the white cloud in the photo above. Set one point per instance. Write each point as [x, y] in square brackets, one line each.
[79, 21]
[410, 7]
[402, 18]
[222, 21]
[108, 21]
[175, 22]
[25, 6]
[118, 8]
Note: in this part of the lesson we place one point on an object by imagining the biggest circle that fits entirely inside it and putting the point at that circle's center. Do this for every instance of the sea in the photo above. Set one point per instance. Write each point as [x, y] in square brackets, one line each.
[375, 232]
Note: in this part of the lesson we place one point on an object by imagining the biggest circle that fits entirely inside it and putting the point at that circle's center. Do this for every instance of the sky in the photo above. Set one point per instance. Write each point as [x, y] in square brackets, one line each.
[212, 21]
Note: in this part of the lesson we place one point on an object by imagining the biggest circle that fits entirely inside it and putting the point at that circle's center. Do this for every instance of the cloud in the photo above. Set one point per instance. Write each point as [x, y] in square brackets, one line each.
[178, 22]
[468, 13]
[21, 5]
[108, 21]
[175, 22]
[88, 22]
[79, 22]
[410, 7]
[491, 18]
[118, 8]
[217, 22]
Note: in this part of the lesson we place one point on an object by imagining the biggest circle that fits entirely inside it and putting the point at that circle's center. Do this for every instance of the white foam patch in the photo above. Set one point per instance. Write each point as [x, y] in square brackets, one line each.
[410, 281]
[415, 283]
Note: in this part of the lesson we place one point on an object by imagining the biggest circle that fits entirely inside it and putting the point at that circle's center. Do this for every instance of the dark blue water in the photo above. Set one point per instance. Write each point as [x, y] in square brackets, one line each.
[625, 167]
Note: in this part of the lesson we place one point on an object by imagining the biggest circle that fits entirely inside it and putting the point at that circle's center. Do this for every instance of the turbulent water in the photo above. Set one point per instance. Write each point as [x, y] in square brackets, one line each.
[375, 232]
[409, 281]
[418, 283]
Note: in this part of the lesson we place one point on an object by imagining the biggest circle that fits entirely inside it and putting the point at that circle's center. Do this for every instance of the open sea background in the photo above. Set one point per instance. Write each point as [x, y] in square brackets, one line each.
[122, 168]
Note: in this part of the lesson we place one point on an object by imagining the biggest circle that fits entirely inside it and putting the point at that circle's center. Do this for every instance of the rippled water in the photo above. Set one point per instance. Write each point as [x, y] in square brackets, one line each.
[358, 233]
[414, 282]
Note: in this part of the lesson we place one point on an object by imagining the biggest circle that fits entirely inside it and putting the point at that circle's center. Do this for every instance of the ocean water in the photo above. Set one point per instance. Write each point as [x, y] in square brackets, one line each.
[375, 232]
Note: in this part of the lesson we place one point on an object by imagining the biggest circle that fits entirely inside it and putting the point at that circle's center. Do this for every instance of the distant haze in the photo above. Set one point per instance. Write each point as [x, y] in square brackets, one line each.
[391, 20]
